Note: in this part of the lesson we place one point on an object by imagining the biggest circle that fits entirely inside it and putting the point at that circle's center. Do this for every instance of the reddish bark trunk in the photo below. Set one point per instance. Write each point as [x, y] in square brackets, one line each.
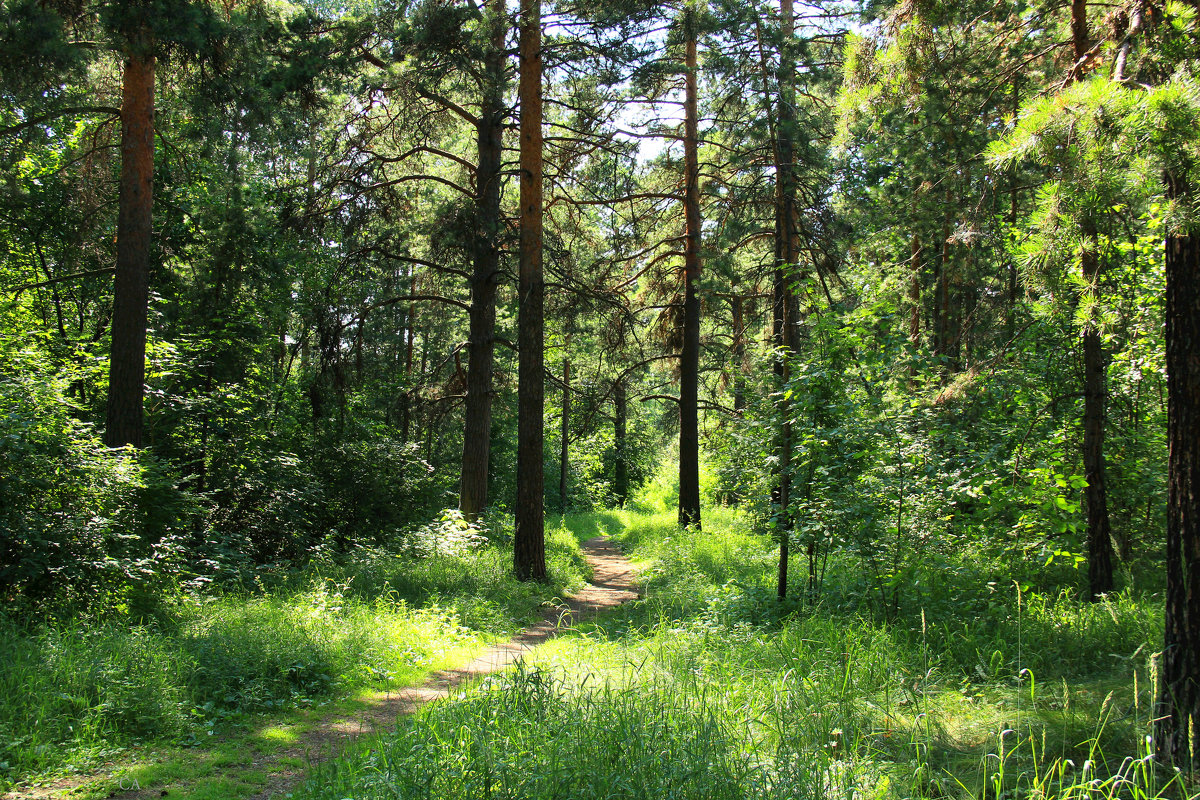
[1080, 41]
[529, 548]
[127, 362]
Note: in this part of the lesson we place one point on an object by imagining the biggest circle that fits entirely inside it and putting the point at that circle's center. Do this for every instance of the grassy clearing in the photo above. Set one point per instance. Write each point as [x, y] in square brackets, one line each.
[708, 689]
[213, 670]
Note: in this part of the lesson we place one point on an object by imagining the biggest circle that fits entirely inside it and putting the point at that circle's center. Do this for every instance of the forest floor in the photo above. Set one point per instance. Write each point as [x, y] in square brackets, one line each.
[275, 758]
[709, 688]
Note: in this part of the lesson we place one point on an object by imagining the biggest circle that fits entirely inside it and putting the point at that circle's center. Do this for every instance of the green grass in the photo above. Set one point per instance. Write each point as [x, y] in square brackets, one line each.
[74, 695]
[709, 688]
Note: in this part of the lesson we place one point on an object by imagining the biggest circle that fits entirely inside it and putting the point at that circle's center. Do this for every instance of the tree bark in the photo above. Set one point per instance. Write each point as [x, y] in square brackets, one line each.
[739, 354]
[529, 547]
[477, 432]
[689, 361]
[1011, 318]
[410, 338]
[1080, 41]
[945, 328]
[127, 361]
[621, 468]
[787, 251]
[1099, 532]
[563, 463]
[1178, 712]
[914, 302]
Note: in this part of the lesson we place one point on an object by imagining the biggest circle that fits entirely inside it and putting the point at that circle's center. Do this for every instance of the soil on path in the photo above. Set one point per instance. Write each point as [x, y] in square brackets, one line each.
[612, 584]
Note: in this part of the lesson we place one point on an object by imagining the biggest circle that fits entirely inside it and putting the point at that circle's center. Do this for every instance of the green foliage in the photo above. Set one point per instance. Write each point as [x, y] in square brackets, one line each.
[79, 523]
[72, 691]
[730, 694]
[542, 737]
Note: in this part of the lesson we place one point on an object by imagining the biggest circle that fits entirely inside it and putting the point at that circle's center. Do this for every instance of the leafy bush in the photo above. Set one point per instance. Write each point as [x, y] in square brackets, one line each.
[80, 524]
[450, 535]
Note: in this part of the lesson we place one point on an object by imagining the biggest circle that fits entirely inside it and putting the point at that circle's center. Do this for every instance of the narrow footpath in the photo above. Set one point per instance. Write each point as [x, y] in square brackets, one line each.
[612, 584]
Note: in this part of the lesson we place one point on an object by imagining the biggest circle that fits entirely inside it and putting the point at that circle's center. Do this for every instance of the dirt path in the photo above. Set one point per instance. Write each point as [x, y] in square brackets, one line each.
[612, 584]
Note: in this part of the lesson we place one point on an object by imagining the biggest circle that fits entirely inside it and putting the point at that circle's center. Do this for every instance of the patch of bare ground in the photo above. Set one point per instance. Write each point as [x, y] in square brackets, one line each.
[612, 584]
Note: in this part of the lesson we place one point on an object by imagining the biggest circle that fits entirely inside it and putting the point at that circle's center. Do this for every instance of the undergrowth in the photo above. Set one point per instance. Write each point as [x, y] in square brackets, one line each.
[74, 692]
[711, 688]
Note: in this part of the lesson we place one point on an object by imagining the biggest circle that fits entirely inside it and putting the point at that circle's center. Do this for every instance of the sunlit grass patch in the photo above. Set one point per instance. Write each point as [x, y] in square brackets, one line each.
[273, 737]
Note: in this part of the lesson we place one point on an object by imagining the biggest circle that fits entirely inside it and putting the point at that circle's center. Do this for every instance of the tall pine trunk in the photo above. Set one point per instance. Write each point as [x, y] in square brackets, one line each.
[127, 362]
[1095, 395]
[786, 308]
[689, 359]
[529, 549]
[563, 462]
[1178, 713]
[477, 430]
[1095, 392]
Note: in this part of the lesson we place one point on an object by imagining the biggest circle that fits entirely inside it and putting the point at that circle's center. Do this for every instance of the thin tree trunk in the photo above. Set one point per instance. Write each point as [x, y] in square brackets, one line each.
[477, 432]
[127, 362]
[224, 271]
[1011, 320]
[1178, 712]
[739, 354]
[689, 361]
[529, 549]
[914, 302]
[1095, 395]
[621, 469]
[563, 463]
[957, 315]
[410, 339]
[1099, 533]
[945, 331]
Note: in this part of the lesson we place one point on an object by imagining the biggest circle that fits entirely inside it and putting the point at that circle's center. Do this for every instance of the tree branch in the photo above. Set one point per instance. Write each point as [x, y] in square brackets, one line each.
[62, 112]
[17, 290]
